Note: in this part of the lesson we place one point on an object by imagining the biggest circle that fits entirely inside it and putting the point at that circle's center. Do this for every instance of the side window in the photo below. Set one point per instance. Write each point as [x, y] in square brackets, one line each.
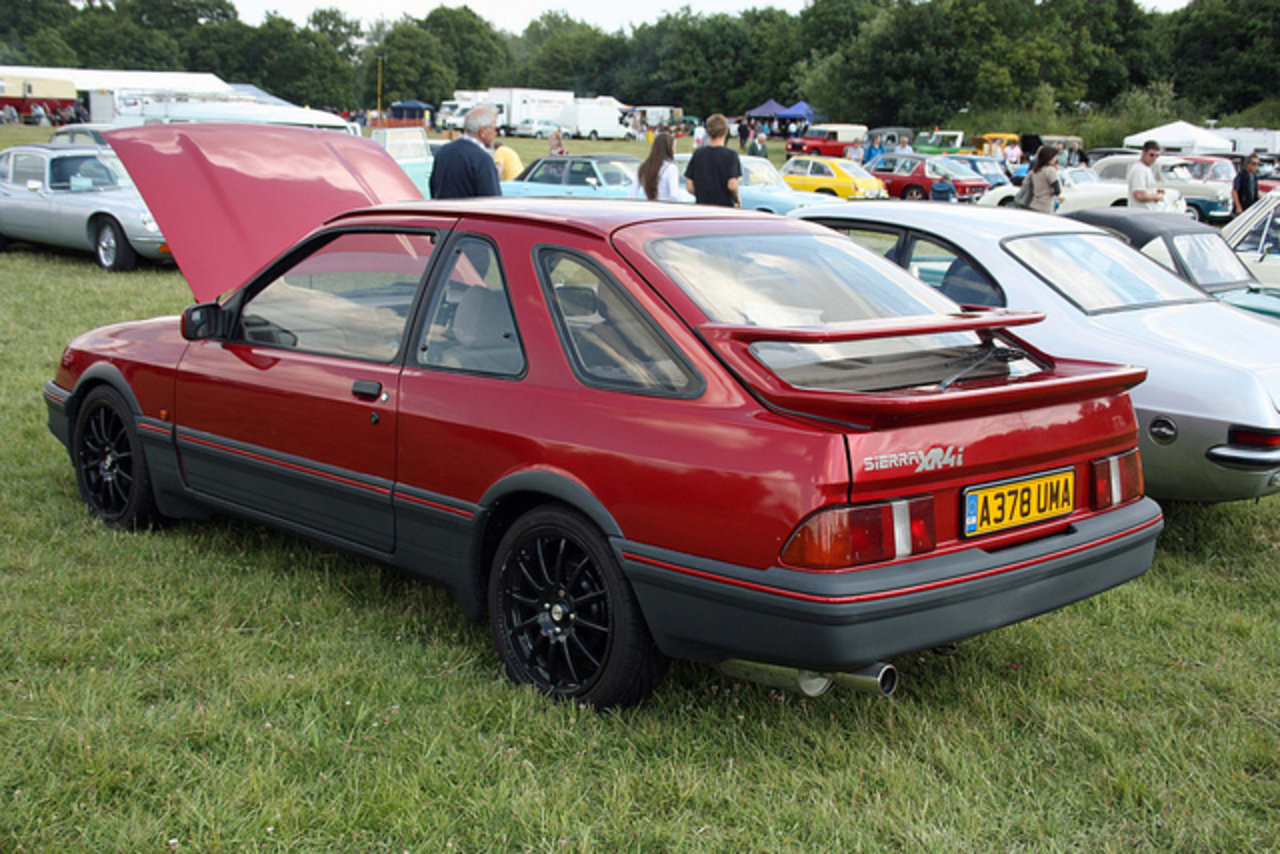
[1255, 239]
[822, 170]
[906, 167]
[4, 167]
[608, 339]
[880, 242]
[470, 325]
[952, 274]
[351, 297]
[28, 167]
[548, 172]
[581, 173]
[887, 164]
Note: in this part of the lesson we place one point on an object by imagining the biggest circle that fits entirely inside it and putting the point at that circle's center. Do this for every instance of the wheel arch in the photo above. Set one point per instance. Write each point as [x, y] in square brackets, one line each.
[508, 500]
[101, 373]
[94, 222]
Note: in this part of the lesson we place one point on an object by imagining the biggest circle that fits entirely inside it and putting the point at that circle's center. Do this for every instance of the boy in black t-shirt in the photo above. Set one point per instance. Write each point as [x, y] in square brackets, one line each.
[713, 171]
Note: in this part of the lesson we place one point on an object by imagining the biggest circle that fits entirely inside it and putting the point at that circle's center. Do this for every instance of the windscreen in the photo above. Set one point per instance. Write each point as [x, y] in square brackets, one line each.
[1210, 261]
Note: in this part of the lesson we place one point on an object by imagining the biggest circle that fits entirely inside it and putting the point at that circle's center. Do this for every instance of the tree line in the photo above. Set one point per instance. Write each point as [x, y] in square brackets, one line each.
[874, 61]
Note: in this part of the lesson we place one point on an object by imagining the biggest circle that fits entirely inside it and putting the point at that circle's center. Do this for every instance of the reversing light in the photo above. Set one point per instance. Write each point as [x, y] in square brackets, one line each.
[841, 537]
[1255, 438]
[1116, 480]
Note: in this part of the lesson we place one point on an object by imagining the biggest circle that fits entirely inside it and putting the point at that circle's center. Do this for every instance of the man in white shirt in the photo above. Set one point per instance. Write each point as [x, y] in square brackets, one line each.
[1143, 192]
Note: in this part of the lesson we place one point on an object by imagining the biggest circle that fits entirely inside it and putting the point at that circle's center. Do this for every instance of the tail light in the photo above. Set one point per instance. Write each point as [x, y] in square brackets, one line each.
[1116, 479]
[1253, 438]
[866, 533]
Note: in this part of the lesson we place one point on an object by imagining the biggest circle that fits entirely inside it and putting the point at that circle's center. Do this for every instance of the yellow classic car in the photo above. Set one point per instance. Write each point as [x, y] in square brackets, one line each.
[832, 176]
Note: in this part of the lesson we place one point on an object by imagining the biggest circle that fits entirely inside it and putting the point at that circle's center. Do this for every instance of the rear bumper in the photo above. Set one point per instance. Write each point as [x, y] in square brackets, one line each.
[701, 610]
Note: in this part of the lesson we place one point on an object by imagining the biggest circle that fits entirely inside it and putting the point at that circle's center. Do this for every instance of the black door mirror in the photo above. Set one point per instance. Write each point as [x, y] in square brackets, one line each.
[202, 321]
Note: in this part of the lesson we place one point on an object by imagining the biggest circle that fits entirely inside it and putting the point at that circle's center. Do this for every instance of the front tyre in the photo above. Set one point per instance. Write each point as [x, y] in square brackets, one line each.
[112, 248]
[111, 471]
[913, 194]
[564, 618]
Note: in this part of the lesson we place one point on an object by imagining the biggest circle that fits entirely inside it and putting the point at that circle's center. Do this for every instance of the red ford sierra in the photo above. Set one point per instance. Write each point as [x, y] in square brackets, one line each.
[624, 432]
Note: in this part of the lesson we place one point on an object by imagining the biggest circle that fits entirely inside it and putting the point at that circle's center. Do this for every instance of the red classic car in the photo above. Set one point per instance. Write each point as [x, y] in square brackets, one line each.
[625, 431]
[912, 176]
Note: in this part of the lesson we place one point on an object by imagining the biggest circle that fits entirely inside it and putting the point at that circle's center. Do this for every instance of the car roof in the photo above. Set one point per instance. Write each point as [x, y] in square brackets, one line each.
[982, 223]
[596, 156]
[1141, 226]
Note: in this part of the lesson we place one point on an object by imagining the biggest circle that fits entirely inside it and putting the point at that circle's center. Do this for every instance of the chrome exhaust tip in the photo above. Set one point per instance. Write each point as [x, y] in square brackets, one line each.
[879, 678]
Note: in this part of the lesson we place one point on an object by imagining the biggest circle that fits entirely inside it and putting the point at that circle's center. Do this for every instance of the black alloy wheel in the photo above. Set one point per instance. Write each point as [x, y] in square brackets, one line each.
[111, 472]
[563, 617]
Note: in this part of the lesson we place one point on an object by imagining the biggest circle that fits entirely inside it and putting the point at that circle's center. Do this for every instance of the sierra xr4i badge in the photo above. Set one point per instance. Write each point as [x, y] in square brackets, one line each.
[931, 460]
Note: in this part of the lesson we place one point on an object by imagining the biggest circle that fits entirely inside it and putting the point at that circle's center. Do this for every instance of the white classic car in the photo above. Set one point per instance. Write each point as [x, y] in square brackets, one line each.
[1082, 188]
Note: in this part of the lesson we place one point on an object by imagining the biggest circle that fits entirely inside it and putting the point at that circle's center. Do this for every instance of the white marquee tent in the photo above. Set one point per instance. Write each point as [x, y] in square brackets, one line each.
[1183, 137]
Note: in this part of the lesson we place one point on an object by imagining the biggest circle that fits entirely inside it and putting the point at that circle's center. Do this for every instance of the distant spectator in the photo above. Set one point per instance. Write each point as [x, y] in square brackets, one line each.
[904, 145]
[465, 167]
[1046, 189]
[854, 152]
[699, 136]
[507, 160]
[1244, 191]
[759, 147]
[1012, 154]
[1143, 192]
[791, 129]
[713, 171]
[744, 134]
[875, 149]
[556, 144]
[1076, 157]
[658, 178]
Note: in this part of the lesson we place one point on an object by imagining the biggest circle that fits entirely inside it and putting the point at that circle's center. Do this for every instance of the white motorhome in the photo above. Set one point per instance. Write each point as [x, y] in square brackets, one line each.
[516, 105]
[133, 108]
[1248, 140]
[587, 117]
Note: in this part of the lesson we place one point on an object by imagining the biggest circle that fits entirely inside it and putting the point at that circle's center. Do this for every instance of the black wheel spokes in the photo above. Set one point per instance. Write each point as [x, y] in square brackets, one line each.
[557, 613]
[106, 461]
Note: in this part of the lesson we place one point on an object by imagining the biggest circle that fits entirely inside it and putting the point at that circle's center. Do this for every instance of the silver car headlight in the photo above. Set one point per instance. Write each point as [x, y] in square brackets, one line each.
[148, 222]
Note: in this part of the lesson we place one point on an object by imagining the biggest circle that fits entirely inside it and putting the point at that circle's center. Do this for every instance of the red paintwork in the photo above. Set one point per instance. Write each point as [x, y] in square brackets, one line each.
[817, 145]
[242, 203]
[895, 184]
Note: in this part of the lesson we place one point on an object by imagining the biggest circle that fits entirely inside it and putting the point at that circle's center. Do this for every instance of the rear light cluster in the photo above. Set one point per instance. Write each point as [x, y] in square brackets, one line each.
[864, 533]
[1253, 438]
[1116, 479]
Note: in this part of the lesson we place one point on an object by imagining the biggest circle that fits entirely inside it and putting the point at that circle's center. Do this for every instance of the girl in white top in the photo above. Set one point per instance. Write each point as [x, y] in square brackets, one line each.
[658, 178]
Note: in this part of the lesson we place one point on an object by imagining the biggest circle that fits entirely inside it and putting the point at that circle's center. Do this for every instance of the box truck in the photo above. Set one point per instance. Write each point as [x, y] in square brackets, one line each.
[593, 120]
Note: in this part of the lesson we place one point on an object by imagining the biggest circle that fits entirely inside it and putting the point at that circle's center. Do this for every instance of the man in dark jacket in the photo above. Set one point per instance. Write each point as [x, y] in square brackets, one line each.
[1244, 191]
[465, 168]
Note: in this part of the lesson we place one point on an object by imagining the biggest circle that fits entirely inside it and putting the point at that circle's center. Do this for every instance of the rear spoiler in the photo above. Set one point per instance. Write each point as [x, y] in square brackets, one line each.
[1063, 379]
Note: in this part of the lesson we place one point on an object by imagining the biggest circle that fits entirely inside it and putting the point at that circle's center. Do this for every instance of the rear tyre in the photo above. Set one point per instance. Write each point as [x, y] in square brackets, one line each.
[112, 248]
[913, 193]
[563, 617]
[111, 471]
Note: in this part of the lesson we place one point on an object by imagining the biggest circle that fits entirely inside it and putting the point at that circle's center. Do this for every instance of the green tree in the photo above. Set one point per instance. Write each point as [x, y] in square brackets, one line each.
[411, 67]
[48, 48]
[22, 18]
[1228, 52]
[828, 25]
[176, 17]
[775, 46]
[474, 49]
[106, 39]
[342, 32]
[300, 65]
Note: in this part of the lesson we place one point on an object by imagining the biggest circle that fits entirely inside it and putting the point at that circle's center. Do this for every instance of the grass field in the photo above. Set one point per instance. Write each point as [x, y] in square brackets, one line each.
[218, 686]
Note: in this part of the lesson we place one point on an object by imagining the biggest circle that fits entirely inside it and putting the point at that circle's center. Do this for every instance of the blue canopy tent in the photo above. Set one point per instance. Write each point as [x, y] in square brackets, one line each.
[768, 110]
[800, 111]
[411, 109]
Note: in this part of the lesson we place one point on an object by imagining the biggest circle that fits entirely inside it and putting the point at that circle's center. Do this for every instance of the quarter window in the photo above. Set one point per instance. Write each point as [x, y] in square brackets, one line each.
[608, 339]
[349, 298]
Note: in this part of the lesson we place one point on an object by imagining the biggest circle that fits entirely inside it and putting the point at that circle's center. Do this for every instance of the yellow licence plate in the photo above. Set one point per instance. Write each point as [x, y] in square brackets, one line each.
[998, 506]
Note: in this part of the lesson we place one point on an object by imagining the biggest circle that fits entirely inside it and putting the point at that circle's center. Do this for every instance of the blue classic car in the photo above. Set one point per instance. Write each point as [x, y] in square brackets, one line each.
[598, 176]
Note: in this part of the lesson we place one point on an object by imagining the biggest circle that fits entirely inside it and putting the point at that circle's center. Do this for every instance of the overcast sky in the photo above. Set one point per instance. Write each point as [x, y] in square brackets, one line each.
[514, 15]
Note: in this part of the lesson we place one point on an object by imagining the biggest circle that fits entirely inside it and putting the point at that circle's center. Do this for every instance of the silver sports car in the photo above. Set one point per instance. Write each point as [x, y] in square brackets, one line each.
[1208, 412]
[79, 197]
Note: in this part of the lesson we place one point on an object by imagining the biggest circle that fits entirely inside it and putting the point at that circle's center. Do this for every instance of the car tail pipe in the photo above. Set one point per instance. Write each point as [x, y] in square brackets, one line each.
[879, 678]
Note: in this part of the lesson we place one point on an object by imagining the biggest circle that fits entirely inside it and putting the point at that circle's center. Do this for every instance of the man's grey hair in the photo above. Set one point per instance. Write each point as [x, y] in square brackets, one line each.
[481, 116]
